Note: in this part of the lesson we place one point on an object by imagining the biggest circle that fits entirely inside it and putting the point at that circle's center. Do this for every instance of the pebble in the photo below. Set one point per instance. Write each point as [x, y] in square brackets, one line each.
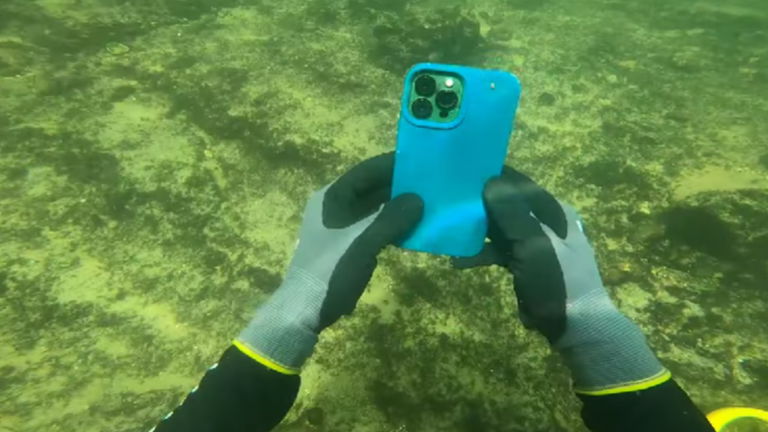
[117, 48]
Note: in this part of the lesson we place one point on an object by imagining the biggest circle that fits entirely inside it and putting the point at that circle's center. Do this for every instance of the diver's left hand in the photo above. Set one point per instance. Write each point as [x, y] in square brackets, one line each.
[345, 226]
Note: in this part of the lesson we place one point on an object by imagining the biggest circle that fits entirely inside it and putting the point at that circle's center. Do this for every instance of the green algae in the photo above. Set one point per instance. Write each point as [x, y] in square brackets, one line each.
[155, 158]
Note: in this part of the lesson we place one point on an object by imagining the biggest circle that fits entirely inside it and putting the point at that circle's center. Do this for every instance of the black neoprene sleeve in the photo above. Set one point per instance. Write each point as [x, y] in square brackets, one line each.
[237, 394]
[241, 395]
[664, 408]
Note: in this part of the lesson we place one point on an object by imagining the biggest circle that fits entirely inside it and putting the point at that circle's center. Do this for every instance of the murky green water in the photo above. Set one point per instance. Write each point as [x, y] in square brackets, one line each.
[155, 156]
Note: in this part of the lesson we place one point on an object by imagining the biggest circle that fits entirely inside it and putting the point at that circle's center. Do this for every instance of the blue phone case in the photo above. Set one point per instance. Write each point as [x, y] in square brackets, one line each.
[448, 164]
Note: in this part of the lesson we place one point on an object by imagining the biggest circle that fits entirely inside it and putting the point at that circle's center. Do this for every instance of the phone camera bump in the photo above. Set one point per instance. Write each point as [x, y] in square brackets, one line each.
[447, 99]
[425, 86]
[421, 108]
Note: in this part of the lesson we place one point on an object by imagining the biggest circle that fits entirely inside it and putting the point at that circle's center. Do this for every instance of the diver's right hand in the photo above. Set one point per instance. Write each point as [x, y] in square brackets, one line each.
[541, 242]
[558, 287]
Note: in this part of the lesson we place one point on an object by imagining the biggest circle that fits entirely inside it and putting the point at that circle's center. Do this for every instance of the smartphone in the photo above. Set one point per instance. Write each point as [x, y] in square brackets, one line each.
[453, 132]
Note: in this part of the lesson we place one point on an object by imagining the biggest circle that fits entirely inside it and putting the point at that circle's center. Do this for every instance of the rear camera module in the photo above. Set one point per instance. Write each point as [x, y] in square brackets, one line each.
[421, 108]
[425, 86]
[446, 99]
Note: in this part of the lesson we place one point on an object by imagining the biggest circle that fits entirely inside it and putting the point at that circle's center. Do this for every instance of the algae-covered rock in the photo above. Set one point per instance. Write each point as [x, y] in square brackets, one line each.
[446, 35]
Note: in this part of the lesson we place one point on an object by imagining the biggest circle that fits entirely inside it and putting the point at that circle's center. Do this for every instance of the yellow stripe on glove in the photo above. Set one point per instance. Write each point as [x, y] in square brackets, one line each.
[245, 349]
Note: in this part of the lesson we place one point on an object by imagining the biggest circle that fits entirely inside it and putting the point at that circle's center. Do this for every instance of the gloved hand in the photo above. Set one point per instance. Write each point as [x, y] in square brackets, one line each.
[345, 226]
[559, 290]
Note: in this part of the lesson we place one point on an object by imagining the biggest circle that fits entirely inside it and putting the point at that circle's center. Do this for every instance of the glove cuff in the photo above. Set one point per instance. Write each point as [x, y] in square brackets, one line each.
[283, 333]
[607, 353]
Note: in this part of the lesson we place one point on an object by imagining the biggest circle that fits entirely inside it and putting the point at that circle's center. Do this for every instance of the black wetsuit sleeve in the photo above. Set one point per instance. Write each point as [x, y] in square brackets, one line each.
[664, 408]
[237, 395]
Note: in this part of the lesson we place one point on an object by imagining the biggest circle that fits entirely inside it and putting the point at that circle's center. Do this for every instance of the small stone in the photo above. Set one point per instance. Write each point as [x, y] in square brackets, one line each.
[764, 161]
[547, 99]
[315, 416]
[116, 48]
[628, 64]
[644, 208]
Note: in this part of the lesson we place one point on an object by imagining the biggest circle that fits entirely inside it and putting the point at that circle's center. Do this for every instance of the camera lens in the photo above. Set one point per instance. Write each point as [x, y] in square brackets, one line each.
[421, 108]
[446, 99]
[425, 86]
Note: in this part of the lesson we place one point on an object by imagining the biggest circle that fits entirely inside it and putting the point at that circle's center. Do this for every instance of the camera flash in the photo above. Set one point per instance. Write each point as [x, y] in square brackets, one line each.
[449, 82]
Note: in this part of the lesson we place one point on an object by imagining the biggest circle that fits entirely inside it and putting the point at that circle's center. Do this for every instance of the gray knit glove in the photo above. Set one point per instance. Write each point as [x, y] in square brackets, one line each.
[559, 290]
[345, 226]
